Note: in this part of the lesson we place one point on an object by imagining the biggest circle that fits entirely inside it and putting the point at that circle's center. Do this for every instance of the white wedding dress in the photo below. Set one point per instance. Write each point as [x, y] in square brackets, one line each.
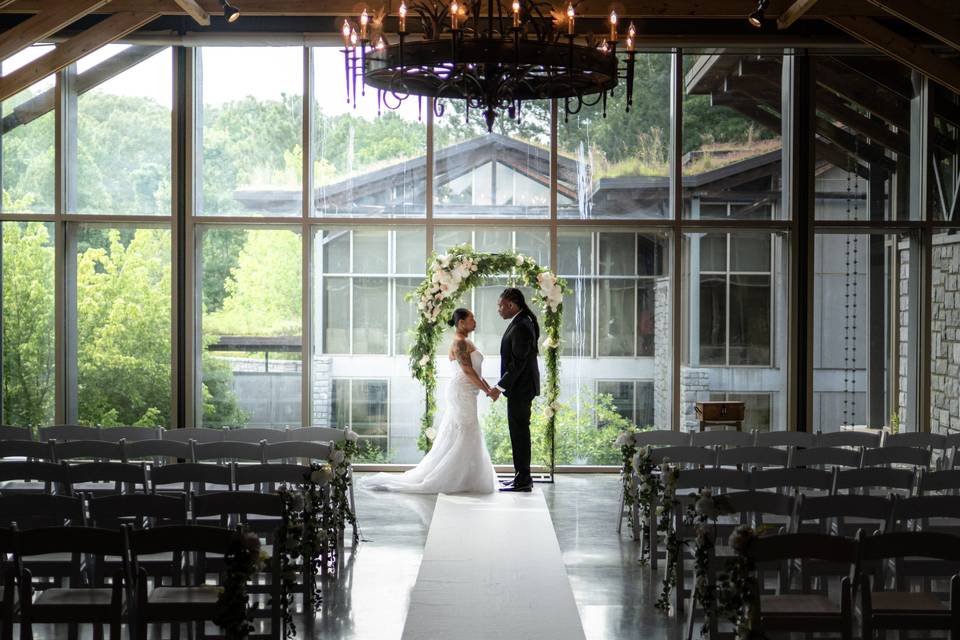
[458, 461]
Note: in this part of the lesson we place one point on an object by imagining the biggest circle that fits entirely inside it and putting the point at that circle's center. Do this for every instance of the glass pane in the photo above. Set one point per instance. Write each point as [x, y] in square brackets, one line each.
[251, 133]
[863, 138]
[617, 254]
[369, 320]
[365, 165]
[406, 314]
[621, 392]
[735, 324]
[750, 252]
[493, 240]
[446, 237]
[577, 319]
[943, 192]
[411, 251]
[27, 137]
[652, 251]
[370, 251]
[615, 325]
[731, 135]
[369, 407]
[335, 250]
[750, 320]
[854, 328]
[534, 243]
[252, 346]
[123, 130]
[504, 174]
[617, 166]
[123, 326]
[340, 407]
[713, 319]
[336, 315]
[28, 323]
[574, 253]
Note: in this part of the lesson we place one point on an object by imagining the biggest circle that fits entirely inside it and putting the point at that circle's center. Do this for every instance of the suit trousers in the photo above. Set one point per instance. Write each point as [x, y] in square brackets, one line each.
[518, 419]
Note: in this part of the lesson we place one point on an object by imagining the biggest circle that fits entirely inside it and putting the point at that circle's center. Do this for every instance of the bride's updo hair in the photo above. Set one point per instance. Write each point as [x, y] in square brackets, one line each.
[458, 315]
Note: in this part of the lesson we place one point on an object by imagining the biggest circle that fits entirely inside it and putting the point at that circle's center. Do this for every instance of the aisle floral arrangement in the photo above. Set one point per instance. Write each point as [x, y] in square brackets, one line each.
[449, 277]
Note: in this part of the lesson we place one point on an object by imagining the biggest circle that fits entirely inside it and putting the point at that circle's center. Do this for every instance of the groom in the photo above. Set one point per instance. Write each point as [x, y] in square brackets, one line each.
[519, 380]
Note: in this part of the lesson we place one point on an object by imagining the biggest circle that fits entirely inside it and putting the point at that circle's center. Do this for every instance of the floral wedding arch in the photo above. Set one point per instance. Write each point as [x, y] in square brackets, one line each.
[449, 277]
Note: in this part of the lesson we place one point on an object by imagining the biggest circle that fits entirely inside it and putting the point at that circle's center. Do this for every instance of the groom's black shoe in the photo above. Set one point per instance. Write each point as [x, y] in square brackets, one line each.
[525, 486]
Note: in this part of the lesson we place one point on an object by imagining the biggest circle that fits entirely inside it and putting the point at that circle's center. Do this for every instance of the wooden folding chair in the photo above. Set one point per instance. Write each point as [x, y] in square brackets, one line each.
[65, 432]
[101, 478]
[130, 434]
[904, 608]
[84, 600]
[793, 609]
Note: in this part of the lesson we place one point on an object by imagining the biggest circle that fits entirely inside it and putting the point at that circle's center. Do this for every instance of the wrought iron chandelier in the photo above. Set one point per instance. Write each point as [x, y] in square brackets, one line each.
[494, 62]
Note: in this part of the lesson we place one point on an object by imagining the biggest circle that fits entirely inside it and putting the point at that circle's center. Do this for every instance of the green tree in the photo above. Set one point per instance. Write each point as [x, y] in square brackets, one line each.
[28, 344]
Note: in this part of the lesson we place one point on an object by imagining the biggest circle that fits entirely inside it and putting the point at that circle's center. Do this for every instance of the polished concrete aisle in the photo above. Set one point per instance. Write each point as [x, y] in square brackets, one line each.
[492, 569]
[613, 593]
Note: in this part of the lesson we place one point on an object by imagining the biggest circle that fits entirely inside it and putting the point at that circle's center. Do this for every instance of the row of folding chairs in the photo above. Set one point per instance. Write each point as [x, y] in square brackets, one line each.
[114, 583]
[729, 438]
[102, 478]
[198, 434]
[828, 515]
[854, 484]
[862, 601]
[160, 451]
[849, 457]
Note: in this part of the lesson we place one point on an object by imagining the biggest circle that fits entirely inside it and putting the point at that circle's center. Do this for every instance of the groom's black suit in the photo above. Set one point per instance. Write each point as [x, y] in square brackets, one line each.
[520, 381]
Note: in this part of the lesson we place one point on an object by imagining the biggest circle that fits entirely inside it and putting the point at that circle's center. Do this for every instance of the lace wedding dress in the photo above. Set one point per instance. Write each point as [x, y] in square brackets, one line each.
[458, 461]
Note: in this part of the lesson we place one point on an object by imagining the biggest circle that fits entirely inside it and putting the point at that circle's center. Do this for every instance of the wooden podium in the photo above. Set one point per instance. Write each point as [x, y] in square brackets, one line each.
[721, 413]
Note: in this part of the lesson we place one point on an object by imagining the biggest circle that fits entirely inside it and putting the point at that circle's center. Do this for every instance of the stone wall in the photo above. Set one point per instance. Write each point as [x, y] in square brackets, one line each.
[945, 335]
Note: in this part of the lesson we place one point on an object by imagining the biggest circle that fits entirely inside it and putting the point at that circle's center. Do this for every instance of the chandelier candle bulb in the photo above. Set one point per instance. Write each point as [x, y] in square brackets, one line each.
[346, 33]
[403, 17]
[570, 19]
[613, 26]
[454, 10]
[364, 20]
[380, 44]
[516, 14]
[353, 38]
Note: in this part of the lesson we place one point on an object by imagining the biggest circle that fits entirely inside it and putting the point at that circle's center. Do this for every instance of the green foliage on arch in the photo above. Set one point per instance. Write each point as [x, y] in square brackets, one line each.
[449, 277]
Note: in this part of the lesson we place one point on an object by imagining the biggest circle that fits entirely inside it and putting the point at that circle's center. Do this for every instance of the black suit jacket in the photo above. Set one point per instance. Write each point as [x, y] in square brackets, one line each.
[519, 373]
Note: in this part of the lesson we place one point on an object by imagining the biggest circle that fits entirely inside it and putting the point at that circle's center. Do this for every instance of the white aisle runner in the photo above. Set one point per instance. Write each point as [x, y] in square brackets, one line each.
[492, 569]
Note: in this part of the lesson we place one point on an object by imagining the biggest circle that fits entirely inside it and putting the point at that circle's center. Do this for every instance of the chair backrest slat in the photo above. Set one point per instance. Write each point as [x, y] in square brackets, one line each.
[255, 435]
[292, 450]
[190, 537]
[191, 473]
[69, 432]
[848, 439]
[112, 511]
[812, 546]
[761, 503]
[896, 455]
[685, 455]
[158, 449]
[273, 473]
[713, 479]
[785, 439]
[826, 456]
[841, 506]
[117, 472]
[224, 450]
[87, 449]
[761, 456]
[237, 503]
[661, 438]
[59, 539]
[38, 471]
[920, 439]
[30, 511]
[793, 478]
[130, 434]
[28, 449]
[947, 480]
[875, 477]
[920, 507]
[197, 434]
[900, 544]
[8, 432]
[721, 438]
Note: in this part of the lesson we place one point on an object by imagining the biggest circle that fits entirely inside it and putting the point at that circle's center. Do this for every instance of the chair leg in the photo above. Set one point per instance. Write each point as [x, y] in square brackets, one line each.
[353, 504]
[620, 502]
[115, 629]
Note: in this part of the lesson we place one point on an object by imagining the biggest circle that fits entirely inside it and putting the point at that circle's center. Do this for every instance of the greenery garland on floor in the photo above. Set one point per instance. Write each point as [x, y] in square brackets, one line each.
[665, 510]
[243, 559]
[449, 277]
[315, 514]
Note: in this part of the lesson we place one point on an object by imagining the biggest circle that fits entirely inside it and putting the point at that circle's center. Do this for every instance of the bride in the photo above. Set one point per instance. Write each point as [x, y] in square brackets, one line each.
[458, 461]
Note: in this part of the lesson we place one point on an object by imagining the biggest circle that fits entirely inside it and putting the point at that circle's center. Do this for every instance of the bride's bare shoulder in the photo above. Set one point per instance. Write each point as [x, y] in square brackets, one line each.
[460, 348]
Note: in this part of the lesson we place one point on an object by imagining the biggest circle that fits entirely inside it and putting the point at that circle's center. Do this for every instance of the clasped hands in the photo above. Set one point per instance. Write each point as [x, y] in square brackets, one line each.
[492, 392]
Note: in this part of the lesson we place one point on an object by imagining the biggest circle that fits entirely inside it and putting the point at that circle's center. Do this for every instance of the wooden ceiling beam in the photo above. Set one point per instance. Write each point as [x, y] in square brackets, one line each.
[6, 3]
[830, 104]
[54, 17]
[864, 95]
[794, 12]
[899, 48]
[68, 52]
[924, 17]
[195, 11]
[692, 9]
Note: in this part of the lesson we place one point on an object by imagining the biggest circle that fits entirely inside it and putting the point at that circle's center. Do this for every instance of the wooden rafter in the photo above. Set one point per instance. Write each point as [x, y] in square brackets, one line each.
[43, 103]
[195, 11]
[794, 12]
[924, 17]
[68, 52]
[55, 17]
[6, 3]
[689, 9]
[899, 48]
